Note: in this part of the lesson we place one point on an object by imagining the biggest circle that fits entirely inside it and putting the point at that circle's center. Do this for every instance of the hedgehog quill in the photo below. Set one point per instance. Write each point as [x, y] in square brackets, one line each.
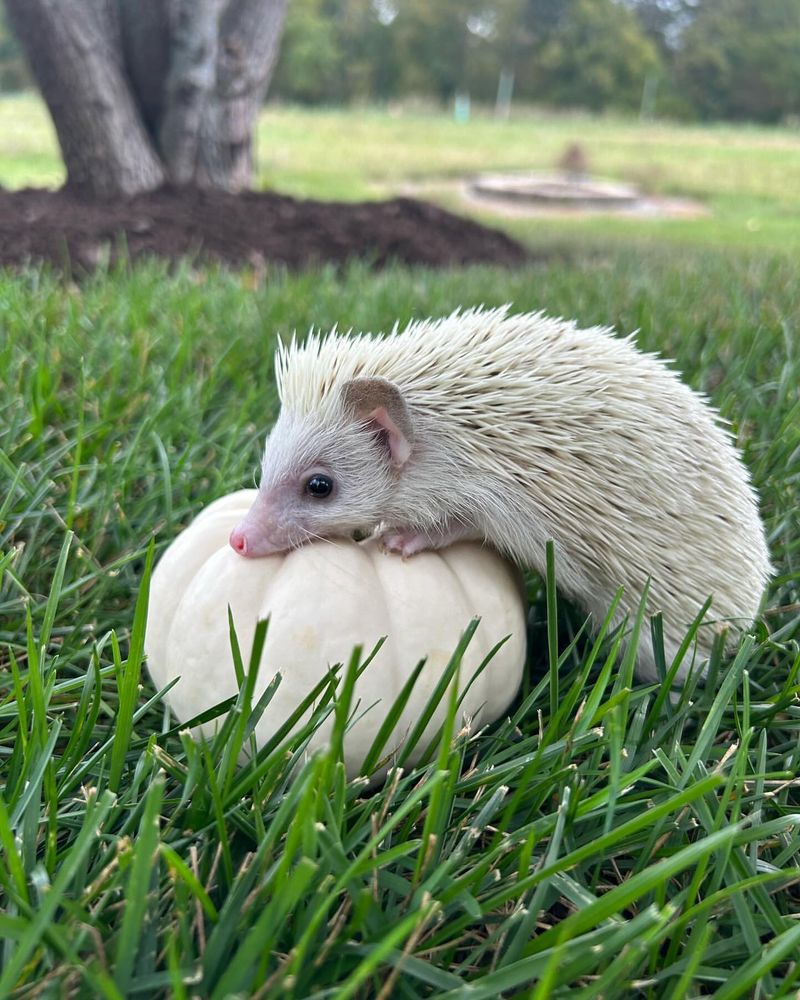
[517, 429]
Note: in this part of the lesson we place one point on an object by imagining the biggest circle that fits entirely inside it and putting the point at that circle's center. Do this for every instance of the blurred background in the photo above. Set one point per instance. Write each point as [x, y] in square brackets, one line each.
[685, 59]
[693, 106]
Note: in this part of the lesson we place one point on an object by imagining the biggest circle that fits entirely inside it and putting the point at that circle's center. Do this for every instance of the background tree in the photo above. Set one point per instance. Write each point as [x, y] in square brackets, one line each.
[663, 21]
[13, 72]
[566, 52]
[142, 93]
[591, 54]
[312, 36]
[337, 51]
[435, 42]
[741, 60]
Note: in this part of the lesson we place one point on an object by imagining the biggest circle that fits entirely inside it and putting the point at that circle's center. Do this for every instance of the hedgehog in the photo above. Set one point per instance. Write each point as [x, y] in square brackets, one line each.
[515, 430]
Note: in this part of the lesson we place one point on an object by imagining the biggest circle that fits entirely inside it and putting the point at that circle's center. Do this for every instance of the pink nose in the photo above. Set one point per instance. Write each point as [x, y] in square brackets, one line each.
[238, 541]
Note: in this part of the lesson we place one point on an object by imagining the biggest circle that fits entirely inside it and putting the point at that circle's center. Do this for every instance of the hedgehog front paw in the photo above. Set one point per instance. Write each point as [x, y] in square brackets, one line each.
[409, 541]
[405, 542]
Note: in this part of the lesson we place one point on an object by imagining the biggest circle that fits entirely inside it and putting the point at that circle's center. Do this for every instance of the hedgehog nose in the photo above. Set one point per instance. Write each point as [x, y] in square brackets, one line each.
[238, 541]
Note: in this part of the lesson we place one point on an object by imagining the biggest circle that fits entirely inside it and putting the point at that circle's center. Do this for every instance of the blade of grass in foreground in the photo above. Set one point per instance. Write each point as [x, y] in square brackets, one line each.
[96, 812]
[574, 956]
[130, 674]
[437, 696]
[407, 928]
[386, 728]
[779, 949]
[441, 799]
[633, 888]
[552, 627]
[139, 888]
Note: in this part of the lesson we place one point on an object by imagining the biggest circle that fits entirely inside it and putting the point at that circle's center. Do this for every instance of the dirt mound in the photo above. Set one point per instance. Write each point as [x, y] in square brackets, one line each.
[249, 228]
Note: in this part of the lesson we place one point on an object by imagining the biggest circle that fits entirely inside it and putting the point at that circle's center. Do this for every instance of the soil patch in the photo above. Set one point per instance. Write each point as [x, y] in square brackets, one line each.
[251, 228]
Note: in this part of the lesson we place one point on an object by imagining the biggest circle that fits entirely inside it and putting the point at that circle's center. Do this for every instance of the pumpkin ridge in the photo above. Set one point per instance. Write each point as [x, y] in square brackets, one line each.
[388, 615]
[263, 600]
[478, 637]
[184, 599]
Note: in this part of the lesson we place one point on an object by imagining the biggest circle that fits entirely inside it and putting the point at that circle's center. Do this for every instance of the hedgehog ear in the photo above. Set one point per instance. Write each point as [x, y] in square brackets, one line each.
[380, 403]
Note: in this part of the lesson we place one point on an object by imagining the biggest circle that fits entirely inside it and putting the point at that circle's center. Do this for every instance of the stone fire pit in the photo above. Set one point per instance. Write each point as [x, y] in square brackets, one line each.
[572, 193]
[557, 191]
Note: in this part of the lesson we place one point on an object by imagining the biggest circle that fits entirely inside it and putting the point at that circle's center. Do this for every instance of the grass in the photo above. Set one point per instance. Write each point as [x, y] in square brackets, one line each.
[748, 177]
[606, 844]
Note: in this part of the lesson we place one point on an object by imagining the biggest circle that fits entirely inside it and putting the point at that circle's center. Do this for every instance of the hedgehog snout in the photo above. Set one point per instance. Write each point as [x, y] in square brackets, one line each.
[255, 535]
[238, 540]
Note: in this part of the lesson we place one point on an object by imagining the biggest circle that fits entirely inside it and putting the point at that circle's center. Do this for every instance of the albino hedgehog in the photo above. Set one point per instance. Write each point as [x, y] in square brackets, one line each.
[515, 430]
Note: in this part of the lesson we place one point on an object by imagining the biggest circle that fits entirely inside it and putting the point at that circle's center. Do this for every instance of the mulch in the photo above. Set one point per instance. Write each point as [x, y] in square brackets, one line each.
[250, 229]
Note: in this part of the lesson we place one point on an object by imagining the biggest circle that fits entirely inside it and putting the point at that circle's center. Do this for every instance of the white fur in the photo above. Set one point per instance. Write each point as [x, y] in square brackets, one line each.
[528, 428]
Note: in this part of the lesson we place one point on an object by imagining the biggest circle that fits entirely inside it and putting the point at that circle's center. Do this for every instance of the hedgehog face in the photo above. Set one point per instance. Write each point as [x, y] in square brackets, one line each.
[328, 473]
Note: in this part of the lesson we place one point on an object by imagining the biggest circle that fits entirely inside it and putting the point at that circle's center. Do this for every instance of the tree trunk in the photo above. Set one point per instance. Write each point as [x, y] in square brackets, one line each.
[223, 53]
[145, 35]
[73, 50]
[189, 86]
[146, 92]
[250, 31]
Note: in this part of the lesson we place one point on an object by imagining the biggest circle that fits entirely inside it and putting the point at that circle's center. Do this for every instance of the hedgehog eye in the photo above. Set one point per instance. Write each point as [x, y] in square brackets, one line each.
[319, 486]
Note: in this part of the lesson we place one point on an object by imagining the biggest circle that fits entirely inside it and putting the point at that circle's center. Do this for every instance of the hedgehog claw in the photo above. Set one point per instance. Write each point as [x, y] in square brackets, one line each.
[409, 541]
[405, 543]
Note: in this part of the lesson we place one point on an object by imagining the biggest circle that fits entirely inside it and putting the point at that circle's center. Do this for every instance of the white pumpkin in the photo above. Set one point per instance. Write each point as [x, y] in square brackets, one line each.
[322, 600]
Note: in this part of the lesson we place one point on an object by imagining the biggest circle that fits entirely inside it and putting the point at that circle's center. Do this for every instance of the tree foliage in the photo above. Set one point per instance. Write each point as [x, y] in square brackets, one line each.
[598, 57]
[565, 52]
[13, 73]
[741, 60]
[710, 58]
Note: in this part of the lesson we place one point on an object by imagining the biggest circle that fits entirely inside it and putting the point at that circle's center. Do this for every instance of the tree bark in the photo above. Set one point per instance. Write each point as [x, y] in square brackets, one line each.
[223, 55]
[145, 39]
[249, 36]
[73, 50]
[190, 85]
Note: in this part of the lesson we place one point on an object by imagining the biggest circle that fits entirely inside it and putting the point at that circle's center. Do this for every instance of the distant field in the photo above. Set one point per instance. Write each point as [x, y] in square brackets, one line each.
[748, 177]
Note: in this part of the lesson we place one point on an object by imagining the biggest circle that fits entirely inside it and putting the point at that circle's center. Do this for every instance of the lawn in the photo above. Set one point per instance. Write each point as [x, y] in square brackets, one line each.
[616, 845]
[619, 846]
[747, 177]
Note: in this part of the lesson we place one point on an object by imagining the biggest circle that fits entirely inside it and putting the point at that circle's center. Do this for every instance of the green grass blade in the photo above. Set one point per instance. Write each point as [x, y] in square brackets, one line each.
[139, 887]
[779, 949]
[129, 688]
[94, 816]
